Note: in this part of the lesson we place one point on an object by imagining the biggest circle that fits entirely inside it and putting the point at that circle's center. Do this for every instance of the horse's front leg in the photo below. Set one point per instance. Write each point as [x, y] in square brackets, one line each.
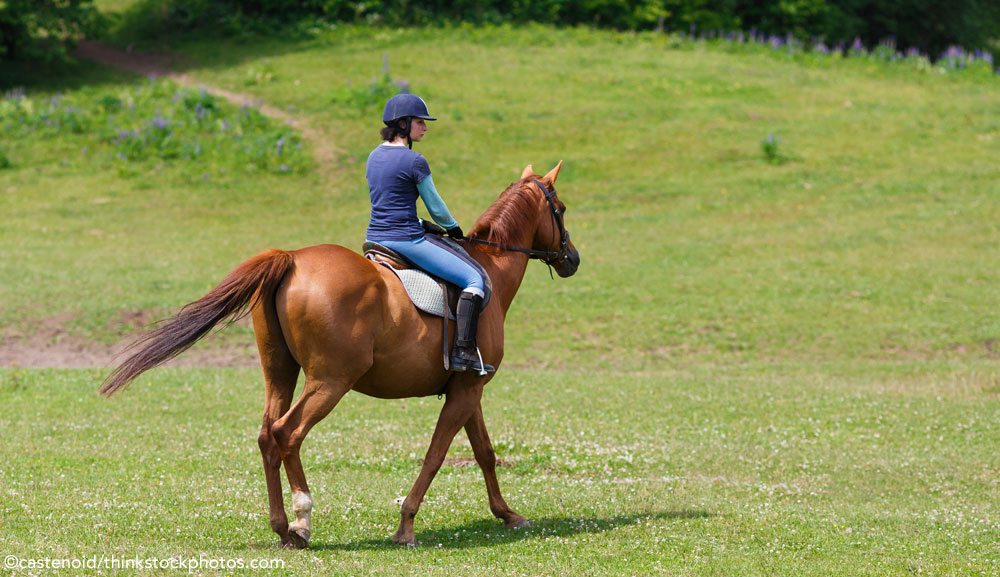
[460, 403]
[487, 459]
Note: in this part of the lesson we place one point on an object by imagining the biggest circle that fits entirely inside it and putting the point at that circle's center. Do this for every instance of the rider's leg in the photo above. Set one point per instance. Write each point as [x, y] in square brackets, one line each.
[443, 264]
[465, 355]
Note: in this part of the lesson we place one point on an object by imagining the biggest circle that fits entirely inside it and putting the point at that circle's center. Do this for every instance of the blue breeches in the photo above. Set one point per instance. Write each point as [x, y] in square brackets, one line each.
[439, 262]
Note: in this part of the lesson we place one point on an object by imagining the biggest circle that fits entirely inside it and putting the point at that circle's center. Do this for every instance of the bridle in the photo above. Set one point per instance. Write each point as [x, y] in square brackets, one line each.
[549, 257]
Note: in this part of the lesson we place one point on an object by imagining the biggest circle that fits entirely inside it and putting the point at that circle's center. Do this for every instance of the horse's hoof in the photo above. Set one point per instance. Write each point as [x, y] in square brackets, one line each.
[299, 538]
[517, 523]
[400, 539]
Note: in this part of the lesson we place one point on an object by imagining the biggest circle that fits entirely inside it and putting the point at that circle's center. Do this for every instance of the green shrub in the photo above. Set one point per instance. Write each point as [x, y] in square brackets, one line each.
[45, 29]
[158, 121]
[770, 147]
[372, 96]
[929, 25]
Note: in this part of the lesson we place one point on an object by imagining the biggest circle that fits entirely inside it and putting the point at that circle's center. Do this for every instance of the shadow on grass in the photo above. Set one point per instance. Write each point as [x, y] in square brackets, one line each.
[488, 532]
[58, 75]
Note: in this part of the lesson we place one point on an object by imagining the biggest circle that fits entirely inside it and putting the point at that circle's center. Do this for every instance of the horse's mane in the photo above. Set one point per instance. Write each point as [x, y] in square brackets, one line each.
[502, 221]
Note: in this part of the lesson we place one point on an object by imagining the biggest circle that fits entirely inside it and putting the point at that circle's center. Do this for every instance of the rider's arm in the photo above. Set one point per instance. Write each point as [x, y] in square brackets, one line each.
[435, 205]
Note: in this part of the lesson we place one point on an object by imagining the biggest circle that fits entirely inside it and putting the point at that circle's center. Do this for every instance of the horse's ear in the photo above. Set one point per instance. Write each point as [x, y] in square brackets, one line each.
[553, 174]
[528, 171]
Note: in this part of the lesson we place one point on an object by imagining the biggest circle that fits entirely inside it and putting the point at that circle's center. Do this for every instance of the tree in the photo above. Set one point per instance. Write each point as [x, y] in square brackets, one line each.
[44, 28]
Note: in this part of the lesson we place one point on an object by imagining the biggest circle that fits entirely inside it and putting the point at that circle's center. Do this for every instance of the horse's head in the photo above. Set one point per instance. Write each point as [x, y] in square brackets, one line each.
[529, 211]
[551, 239]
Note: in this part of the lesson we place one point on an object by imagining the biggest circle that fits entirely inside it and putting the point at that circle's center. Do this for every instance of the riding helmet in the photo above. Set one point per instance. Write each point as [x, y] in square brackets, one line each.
[404, 106]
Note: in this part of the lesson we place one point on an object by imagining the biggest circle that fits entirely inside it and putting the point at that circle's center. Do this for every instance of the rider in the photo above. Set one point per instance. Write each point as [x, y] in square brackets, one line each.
[396, 177]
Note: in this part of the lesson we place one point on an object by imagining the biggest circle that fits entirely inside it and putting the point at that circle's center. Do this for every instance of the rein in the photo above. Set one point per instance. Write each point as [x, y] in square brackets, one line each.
[549, 257]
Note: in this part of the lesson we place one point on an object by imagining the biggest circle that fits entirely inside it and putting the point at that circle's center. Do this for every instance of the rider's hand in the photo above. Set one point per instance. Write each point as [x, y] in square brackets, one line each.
[431, 228]
[455, 232]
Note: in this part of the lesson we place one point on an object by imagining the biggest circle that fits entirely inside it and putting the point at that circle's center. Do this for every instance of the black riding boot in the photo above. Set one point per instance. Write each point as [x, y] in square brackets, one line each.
[465, 356]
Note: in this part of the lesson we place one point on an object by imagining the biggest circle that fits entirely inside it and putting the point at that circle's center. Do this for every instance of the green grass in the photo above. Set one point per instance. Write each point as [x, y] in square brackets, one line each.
[761, 367]
[875, 237]
[704, 472]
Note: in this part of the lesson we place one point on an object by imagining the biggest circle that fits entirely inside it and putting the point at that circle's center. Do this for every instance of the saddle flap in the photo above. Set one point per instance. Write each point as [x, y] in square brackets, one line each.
[425, 290]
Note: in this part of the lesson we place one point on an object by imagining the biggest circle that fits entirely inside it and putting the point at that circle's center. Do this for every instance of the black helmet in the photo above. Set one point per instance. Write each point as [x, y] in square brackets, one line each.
[404, 106]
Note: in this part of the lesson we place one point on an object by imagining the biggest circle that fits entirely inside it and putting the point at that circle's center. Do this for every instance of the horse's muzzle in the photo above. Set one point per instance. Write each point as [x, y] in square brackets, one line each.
[567, 266]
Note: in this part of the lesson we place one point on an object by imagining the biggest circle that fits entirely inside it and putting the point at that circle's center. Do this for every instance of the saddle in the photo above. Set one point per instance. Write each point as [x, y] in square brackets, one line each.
[429, 293]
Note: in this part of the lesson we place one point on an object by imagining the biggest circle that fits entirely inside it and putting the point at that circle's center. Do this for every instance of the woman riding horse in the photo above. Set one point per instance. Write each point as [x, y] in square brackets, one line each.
[396, 177]
[349, 325]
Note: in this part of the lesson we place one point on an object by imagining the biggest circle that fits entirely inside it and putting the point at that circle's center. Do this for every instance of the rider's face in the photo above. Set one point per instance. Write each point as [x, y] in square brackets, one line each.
[417, 129]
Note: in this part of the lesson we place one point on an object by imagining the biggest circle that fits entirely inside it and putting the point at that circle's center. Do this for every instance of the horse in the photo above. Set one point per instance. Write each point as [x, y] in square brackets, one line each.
[349, 325]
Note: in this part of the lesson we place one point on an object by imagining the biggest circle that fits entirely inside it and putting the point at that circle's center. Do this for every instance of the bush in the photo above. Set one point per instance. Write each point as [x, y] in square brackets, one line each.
[45, 29]
[930, 25]
[154, 122]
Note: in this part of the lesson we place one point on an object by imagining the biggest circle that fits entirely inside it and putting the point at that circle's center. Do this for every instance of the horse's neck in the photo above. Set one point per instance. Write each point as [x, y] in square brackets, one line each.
[506, 270]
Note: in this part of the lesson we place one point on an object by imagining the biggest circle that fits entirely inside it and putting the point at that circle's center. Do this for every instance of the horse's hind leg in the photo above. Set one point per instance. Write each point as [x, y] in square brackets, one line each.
[316, 402]
[487, 459]
[281, 371]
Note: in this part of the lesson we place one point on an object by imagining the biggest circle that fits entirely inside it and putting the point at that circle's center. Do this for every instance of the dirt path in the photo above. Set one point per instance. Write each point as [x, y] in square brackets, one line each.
[161, 66]
[51, 344]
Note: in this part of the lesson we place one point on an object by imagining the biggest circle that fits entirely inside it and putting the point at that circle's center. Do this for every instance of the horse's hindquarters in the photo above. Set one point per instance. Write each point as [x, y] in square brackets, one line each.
[344, 317]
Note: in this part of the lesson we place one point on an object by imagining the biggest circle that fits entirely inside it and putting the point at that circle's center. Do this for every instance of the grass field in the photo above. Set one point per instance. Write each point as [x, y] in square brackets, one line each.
[761, 368]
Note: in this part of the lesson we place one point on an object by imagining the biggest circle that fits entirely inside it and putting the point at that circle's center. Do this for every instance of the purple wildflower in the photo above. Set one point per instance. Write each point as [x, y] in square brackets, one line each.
[281, 144]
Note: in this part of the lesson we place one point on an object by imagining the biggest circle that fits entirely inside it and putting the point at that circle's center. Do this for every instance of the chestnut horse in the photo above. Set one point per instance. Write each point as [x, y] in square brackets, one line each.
[349, 324]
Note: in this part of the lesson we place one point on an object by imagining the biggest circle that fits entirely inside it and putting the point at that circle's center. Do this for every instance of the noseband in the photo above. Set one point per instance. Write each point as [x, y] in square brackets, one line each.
[549, 257]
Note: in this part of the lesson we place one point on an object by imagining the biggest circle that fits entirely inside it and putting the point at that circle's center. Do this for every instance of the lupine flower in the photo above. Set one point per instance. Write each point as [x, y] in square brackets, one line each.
[281, 144]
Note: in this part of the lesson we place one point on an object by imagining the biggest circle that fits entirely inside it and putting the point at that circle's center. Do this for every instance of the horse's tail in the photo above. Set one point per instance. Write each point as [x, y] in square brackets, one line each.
[254, 279]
